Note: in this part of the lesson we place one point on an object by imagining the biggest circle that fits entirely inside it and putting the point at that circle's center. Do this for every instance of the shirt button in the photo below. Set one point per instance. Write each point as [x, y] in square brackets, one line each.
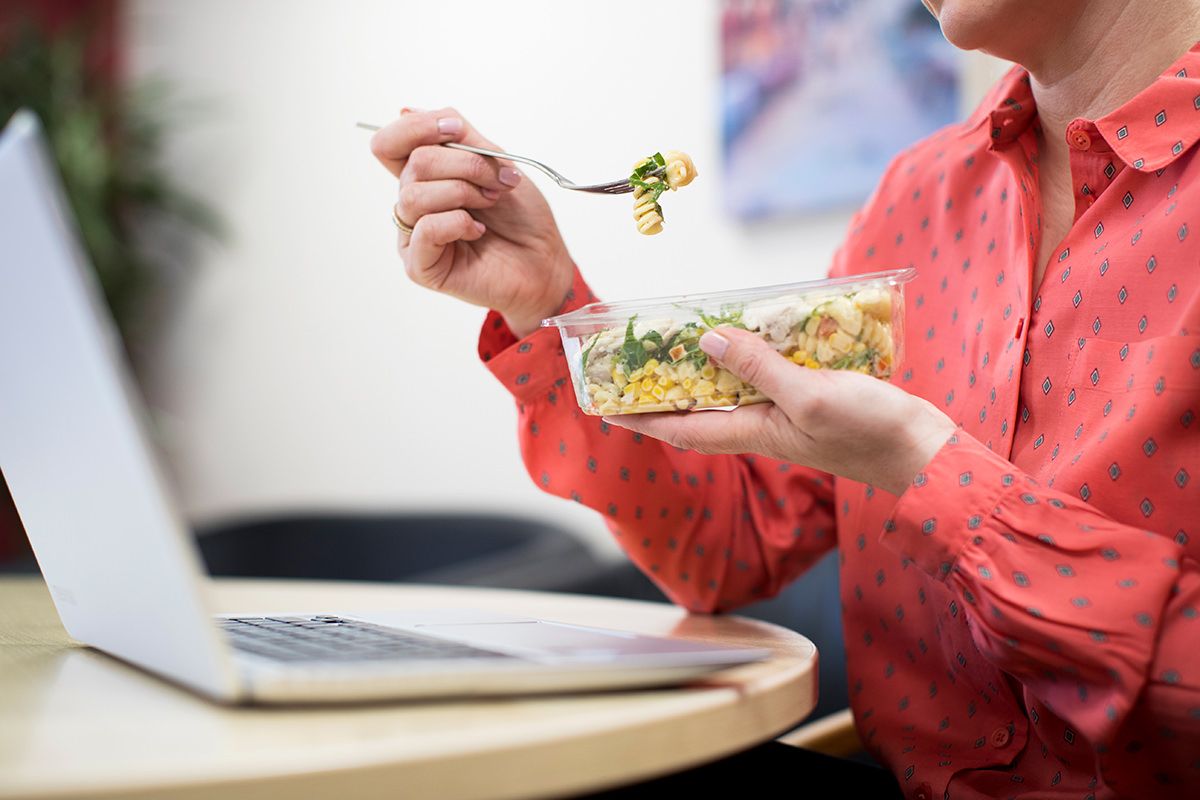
[923, 792]
[1079, 139]
[1000, 738]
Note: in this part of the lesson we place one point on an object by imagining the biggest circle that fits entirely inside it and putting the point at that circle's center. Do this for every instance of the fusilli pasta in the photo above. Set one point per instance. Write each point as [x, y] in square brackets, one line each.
[679, 170]
[647, 213]
[676, 170]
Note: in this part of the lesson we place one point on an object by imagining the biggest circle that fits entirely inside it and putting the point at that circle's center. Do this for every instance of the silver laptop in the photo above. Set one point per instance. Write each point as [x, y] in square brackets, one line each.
[122, 567]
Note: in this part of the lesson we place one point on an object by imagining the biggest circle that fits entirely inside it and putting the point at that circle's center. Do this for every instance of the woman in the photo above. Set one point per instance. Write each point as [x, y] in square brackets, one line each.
[1017, 513]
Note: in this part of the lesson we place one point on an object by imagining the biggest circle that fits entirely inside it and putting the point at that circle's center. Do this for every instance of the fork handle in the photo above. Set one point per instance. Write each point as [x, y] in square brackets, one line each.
[490, 153]
[508, 157]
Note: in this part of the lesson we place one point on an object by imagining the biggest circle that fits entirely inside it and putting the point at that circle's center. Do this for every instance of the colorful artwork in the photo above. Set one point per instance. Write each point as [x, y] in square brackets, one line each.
[817, 96]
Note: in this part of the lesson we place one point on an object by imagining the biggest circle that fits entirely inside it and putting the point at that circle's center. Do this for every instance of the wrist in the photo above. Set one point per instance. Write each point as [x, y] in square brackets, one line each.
[559, 299]
[921, 437]
[522, 326]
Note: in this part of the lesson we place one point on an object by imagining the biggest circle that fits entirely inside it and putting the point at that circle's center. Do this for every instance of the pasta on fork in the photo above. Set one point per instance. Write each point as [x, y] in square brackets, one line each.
[678, 170]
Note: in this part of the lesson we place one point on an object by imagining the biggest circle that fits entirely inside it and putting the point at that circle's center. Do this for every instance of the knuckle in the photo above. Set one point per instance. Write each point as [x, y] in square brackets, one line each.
[750, 366]
[478, 170]
[420, 162]
[465, 193]
[410, 196]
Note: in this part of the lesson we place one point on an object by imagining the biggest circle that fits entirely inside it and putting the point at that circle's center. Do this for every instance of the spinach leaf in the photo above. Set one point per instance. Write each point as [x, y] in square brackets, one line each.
[587, 351]
[633, 353]
[638, 178]
[655, 189]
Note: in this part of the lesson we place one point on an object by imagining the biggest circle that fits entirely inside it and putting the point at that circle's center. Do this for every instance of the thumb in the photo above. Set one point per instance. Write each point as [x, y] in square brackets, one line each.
[756, 362]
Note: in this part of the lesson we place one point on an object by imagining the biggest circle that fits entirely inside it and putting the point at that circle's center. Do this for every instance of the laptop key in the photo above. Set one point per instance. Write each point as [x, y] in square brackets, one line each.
[327, 638]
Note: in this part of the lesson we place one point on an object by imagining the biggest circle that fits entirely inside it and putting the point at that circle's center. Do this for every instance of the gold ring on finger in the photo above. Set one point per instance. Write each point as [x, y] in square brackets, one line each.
[400, 224]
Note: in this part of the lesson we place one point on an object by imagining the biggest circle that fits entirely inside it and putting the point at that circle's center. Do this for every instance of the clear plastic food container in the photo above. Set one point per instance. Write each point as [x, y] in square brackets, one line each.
[644, 355]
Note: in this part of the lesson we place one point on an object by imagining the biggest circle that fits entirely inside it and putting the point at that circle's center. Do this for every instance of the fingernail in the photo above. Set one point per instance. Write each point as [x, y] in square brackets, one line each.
[409, 110]
[509, 176]
[714, 344]
[479, 226]
[449, 125]
[490, 194]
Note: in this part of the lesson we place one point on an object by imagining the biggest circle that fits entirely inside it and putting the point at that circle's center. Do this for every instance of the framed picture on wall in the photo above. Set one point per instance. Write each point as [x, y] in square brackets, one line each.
[817, 96]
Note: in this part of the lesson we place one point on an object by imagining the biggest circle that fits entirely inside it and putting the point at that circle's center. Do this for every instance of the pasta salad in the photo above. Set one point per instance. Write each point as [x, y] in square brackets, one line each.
[650, 360]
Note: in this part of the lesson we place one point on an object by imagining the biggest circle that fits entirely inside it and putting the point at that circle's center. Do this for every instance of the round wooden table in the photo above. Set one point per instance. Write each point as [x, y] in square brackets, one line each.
[76, 723]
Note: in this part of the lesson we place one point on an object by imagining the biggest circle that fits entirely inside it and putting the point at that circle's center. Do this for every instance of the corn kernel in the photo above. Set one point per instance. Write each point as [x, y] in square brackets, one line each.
[812, 363]
[707, 372]
[800, 356]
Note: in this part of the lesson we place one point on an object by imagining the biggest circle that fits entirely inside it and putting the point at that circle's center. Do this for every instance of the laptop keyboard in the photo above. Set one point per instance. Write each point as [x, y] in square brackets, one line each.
[328, 638]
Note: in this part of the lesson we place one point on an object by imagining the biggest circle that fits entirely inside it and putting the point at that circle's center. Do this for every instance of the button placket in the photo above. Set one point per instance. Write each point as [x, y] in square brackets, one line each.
[1089, 160]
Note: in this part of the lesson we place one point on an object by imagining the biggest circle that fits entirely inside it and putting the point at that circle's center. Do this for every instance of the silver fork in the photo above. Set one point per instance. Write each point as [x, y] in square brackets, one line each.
[612, 187]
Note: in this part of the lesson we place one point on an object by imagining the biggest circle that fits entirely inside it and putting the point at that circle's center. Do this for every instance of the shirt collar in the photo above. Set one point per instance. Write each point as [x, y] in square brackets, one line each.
[1148, 132]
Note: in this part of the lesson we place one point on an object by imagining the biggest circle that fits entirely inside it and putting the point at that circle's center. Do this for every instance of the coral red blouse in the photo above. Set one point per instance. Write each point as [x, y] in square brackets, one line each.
[1025, 618]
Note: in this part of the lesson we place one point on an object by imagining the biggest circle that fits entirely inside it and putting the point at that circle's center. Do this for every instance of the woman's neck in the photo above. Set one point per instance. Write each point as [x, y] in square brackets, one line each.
[1112, 52]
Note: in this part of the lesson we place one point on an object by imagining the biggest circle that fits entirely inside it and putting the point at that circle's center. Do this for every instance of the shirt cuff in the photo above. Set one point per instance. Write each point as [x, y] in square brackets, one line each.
[960, 489]
[529, 367]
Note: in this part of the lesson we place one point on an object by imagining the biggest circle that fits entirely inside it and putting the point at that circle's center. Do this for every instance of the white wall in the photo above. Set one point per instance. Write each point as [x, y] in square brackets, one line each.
[302, 370]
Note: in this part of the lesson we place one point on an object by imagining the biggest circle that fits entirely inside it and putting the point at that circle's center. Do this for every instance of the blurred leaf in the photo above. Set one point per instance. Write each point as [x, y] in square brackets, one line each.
[109, 146]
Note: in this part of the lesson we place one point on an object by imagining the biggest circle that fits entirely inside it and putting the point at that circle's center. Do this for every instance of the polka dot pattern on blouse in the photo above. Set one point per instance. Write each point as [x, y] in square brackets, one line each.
[1024, 617]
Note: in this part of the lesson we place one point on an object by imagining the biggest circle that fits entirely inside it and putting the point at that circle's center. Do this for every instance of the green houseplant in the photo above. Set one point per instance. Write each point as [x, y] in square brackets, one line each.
[108, 142]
